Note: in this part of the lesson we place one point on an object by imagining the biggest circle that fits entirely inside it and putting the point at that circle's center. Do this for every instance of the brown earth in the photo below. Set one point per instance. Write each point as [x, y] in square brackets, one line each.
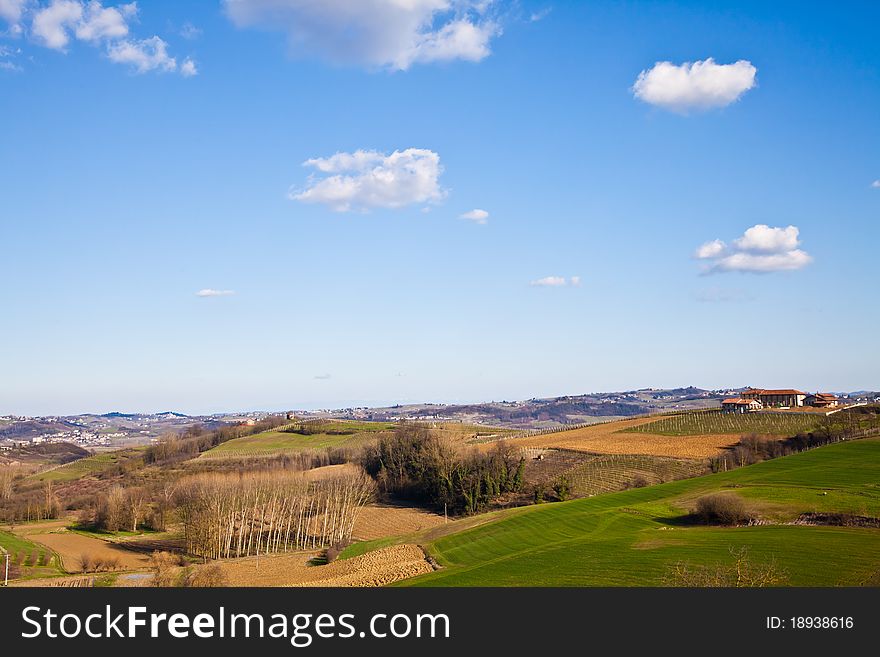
[71, 546]
[376, 568]
[381, 520]
[609, 439]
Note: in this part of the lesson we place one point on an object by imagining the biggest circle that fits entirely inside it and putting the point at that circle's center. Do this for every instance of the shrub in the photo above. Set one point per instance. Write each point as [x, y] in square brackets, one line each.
[86, 564]
[166, 569]
[639, 481]
[333, 552]
[562, 489]
[205, 577]
[722, 509]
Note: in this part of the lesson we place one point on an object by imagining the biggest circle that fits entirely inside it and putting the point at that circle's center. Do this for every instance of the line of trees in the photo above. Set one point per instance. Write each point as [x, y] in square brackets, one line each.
[230, 515]
[412, 463]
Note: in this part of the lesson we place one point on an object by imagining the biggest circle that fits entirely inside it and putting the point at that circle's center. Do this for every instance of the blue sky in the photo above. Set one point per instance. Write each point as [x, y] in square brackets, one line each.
[157, 151]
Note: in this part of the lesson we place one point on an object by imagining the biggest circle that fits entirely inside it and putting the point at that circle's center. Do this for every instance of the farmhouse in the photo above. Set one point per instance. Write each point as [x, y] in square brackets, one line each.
[822, 400]
[740, 405]
[776, 398]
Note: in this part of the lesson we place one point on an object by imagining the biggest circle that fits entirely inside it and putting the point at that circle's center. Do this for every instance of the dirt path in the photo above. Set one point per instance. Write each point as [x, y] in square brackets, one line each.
[376, 568]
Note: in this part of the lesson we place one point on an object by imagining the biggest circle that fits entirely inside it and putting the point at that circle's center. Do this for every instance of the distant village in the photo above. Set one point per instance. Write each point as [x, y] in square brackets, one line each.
[757, 399]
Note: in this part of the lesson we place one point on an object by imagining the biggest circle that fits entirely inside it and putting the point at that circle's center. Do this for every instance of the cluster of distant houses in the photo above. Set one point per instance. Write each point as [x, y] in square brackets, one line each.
[756, 399]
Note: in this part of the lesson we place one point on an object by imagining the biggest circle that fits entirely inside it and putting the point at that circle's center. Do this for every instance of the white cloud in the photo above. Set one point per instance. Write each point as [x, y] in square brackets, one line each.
[190, 32]
[51, 24]
[6, 56]
[476, 215]
[11, 11]
[761, 249]
[697, 85]
[391, 34]
[759, 264]
[876, 184]
[208, 292]
[188, 68]
[369, 179]
[100, 23]
[762, 238]
[144, 55]
[54, 25]
[557, 281]
[540, 15]
[711, 249]
[322, 377]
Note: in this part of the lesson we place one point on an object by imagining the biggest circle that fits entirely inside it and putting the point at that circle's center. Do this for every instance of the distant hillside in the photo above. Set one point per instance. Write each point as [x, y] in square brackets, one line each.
[546, 413]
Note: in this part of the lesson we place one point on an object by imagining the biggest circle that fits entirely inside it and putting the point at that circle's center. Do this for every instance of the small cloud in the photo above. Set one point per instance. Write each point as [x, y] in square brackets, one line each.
[557, 281]
[761, 249]
[57, 24]
[876, 184]
[190, 32]
[477, 216]
[208, 292]
[369, 179]
[700, 85]
[188, 68]
[322, 377]
[540, 15]
[144, 55]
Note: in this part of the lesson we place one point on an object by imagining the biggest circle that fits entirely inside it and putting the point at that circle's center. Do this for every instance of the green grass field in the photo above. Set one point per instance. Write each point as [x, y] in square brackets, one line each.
[27, 559]
[267, 443]
[716, 422]
[633, 538]
[90, 465]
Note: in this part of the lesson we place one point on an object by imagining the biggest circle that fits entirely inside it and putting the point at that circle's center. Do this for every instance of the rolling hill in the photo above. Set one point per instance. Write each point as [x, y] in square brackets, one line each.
[635, 538]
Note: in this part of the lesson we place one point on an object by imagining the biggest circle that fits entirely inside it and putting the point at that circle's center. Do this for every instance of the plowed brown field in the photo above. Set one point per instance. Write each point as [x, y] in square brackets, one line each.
[70, 547]
[380, 520]
[609, 439]
[376, 568]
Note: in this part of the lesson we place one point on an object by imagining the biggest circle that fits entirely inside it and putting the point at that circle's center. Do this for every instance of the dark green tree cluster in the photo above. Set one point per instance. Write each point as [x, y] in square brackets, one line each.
[414, 464]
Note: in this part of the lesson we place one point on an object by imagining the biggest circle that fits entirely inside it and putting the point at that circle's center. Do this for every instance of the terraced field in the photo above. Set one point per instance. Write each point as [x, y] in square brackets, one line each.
[615, 472]
[634, 538]
[377, 568]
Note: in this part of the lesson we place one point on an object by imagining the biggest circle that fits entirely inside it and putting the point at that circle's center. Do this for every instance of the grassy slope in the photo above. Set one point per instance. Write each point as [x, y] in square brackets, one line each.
[15, 544]
[90, 465]
[631, 538]
[271, 442]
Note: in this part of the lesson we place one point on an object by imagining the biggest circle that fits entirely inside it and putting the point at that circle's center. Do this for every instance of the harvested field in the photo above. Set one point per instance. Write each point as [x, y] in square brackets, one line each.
[613, 438]
[377, 568]
[331, 471]
[383, 520]
[70, 547]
